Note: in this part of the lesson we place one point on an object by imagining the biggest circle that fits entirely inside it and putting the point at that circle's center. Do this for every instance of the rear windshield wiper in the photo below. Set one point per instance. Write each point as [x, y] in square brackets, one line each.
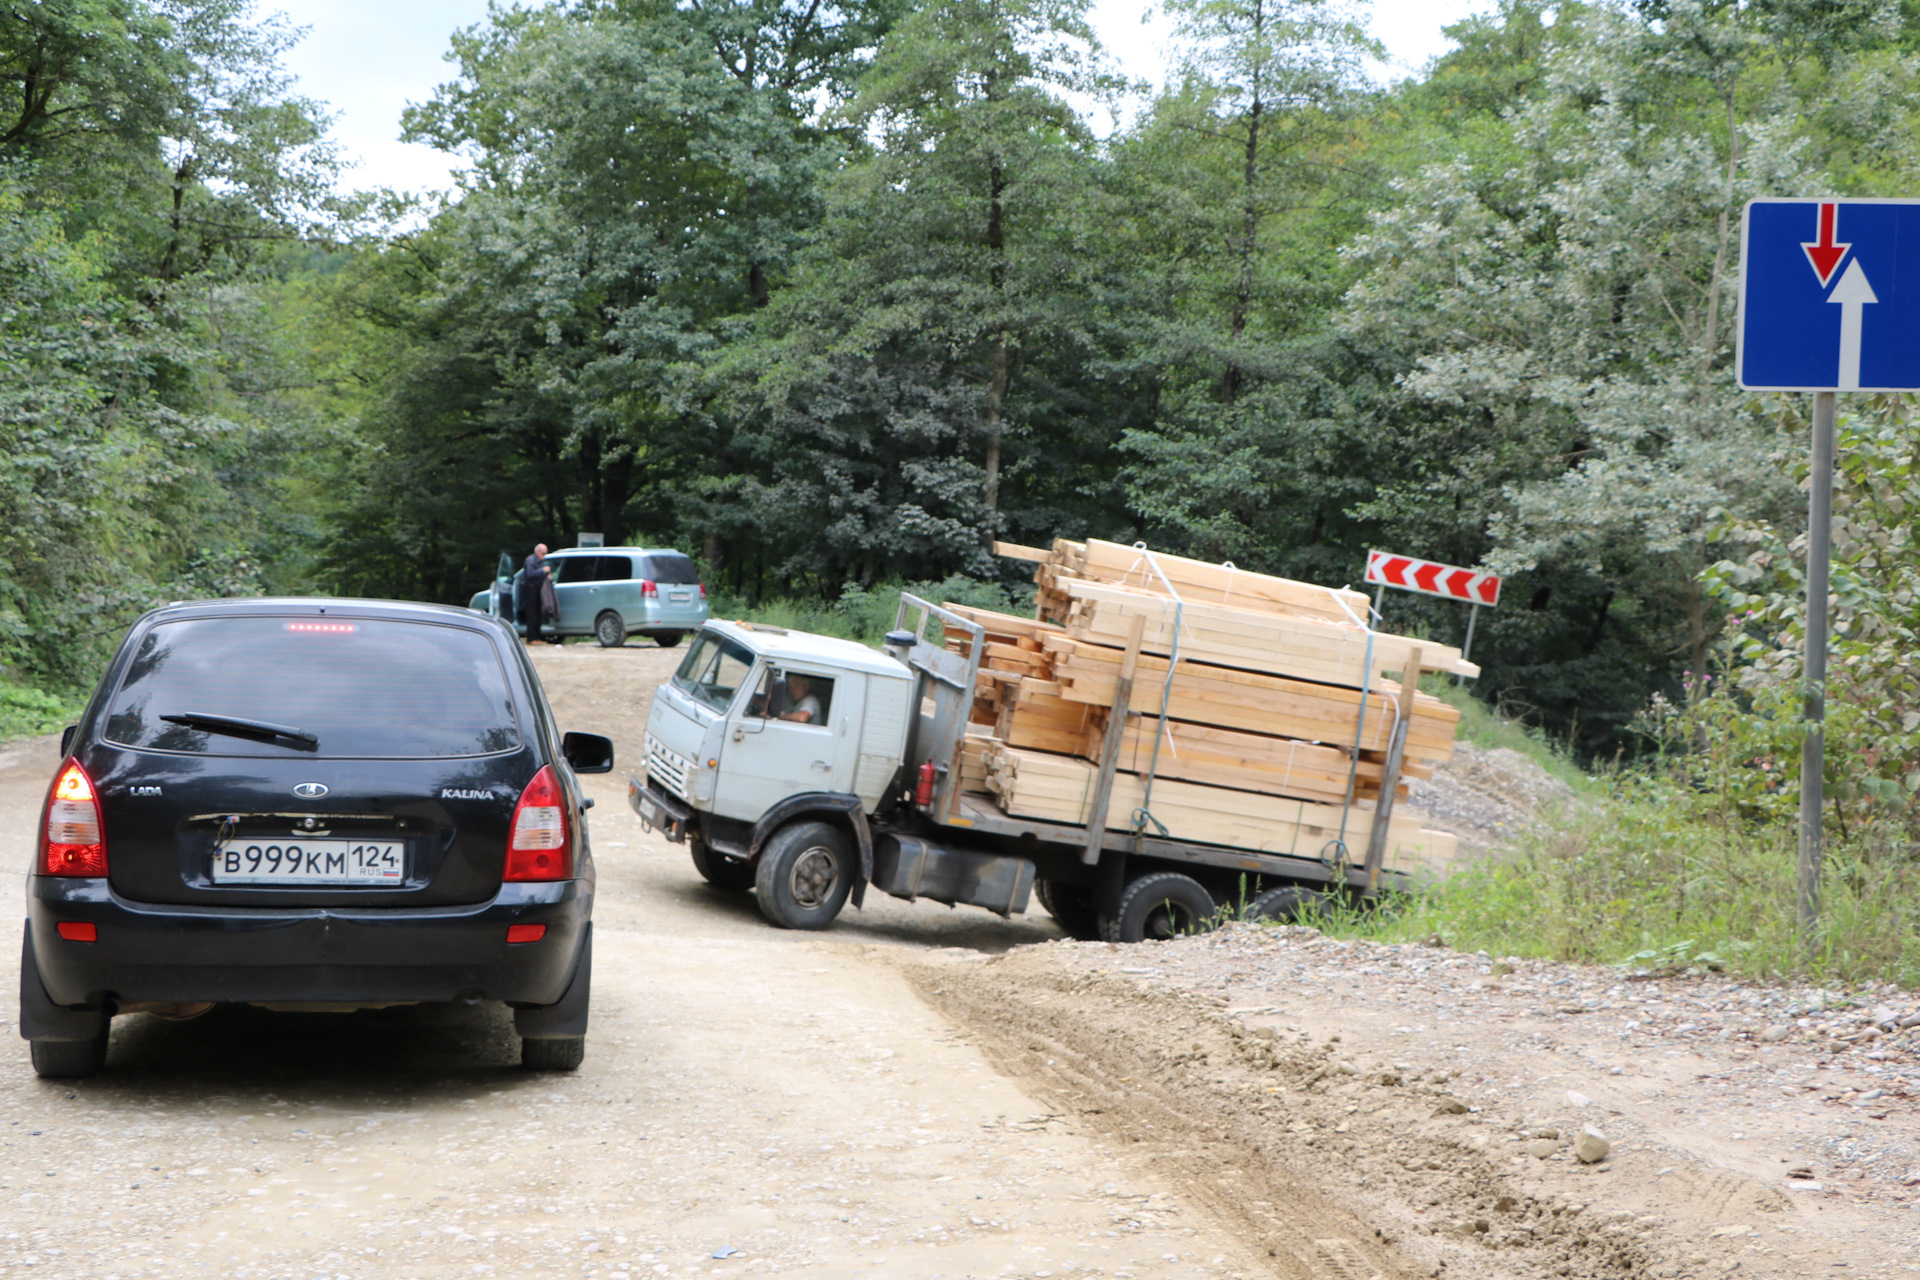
[242, 728]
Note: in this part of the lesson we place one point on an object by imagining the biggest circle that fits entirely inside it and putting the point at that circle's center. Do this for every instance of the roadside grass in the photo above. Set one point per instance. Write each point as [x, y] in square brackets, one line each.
[1487, 727]
[1629, 876]
[26, 712]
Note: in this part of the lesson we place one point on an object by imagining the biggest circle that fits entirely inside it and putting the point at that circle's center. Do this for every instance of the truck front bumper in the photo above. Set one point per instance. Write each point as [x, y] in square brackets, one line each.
[659, 811]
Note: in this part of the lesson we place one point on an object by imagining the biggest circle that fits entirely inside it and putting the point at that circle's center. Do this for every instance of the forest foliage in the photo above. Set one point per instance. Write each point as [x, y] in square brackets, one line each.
[834, 294]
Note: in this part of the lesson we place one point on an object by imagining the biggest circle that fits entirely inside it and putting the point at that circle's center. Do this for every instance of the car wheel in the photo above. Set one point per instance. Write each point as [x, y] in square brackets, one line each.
[1287, 904]
[717, 869]
[609, 630]
[667, 639]
[562, 1054]
[1071, 907]
[68, 1059]
[1161, 905]
[804, 875]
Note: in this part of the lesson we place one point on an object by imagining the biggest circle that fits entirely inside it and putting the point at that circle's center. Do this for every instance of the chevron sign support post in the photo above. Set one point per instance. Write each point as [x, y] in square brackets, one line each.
[1431, 578]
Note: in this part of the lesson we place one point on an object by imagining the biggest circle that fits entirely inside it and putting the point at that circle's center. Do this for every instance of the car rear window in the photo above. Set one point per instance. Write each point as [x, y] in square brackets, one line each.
[671, 568]
[364, 687]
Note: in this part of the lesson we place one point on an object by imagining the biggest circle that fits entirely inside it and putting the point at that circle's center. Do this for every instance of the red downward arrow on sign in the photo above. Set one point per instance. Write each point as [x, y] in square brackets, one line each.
[1824, 254]
[1427, 576]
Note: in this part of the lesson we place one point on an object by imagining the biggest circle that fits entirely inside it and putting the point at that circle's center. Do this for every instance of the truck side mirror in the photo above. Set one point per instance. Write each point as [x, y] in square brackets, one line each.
[587, 752]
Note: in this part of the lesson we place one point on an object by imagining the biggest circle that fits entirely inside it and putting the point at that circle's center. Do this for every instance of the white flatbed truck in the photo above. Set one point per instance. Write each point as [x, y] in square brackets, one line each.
[808, 768]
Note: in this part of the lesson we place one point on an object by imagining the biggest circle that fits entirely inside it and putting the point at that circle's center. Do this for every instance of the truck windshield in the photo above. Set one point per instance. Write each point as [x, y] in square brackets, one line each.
[712, 670]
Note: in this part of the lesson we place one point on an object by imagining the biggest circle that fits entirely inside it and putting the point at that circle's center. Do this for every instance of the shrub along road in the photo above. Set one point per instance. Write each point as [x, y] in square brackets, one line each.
[911, 1095]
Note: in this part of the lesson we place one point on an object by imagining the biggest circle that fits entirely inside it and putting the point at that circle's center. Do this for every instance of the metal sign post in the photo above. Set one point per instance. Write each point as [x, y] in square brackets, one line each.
[1807, 324]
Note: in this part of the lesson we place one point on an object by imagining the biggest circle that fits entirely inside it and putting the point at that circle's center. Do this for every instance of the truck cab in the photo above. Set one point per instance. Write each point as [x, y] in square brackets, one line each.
[787, 763]
[763, 732]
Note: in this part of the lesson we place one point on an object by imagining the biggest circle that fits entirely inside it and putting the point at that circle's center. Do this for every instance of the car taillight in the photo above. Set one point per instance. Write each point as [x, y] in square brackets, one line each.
[648, 587]
[703, 592]
[73, 842]
[539, 848]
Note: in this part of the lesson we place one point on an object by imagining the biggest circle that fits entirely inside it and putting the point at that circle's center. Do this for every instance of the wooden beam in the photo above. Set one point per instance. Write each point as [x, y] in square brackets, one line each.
[1014, 551]
[1390, 776]
[1110, 749]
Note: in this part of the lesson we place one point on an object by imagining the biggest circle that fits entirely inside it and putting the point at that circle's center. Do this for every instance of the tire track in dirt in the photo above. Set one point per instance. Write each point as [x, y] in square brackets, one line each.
[1336, 1170]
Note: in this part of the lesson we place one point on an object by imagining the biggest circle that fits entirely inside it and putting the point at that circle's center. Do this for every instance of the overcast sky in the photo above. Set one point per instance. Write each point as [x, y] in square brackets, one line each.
[368, 58]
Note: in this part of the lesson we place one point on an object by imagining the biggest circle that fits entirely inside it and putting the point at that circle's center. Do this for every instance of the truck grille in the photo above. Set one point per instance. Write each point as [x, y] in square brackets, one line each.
[666, 767]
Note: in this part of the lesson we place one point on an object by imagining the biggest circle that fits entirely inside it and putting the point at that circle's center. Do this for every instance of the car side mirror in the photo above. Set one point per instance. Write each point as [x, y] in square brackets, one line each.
[66, 740]
[587, 752]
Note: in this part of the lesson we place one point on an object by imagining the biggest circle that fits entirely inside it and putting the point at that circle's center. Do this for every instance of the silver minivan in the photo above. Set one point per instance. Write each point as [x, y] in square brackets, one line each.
[609, 593]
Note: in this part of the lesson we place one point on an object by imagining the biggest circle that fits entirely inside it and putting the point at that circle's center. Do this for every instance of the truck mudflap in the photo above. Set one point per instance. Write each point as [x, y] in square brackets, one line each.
[656, 810]
[849, 807]
[909, 867]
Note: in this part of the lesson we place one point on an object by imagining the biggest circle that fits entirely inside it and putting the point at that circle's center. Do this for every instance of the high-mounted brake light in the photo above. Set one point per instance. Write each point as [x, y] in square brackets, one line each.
[539, 848]
[326, 628]
[73, 841]
[648, 587]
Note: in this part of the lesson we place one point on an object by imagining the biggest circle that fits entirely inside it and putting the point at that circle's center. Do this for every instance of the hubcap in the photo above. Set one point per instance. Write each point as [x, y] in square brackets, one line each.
[813, 877]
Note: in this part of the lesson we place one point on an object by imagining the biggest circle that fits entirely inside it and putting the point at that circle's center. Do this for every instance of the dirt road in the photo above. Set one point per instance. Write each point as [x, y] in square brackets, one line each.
[917, 1093]
[783, 1095]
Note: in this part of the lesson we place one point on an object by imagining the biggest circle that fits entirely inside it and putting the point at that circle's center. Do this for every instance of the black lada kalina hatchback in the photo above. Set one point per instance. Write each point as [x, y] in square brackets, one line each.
[312, 804]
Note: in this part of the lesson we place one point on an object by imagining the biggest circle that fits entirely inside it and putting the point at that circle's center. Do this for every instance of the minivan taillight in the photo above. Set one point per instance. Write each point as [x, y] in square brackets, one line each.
[648, 587]
[539, 848]
[703, 592]
[73, 842]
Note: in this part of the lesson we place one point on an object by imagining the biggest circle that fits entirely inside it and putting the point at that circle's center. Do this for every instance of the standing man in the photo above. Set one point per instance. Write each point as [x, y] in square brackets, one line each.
[533, 580]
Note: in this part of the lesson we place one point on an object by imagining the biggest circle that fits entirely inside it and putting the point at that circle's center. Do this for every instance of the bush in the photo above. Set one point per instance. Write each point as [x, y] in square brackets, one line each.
[26, 712]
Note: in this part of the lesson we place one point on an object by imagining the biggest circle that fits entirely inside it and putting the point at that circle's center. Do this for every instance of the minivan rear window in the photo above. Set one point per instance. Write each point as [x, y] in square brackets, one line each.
[366, 687]
[670, 568]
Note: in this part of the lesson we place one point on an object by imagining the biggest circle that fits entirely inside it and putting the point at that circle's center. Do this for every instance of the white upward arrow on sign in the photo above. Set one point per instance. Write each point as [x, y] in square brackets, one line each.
[1852, 293]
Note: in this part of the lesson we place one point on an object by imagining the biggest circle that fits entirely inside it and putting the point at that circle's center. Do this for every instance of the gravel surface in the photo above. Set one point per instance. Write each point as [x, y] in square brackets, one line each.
[1440, 1100]
[922, 1092]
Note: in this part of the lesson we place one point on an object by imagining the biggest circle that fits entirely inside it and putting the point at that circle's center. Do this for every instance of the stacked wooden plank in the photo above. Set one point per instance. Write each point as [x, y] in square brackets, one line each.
[1060, 789]
[1279, 709]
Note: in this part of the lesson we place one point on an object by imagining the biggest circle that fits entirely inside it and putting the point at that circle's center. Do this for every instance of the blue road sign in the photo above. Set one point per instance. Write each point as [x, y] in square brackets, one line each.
[1828, 300]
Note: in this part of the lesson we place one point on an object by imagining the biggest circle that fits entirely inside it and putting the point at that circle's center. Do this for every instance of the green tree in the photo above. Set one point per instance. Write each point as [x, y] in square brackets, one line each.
[928, 332]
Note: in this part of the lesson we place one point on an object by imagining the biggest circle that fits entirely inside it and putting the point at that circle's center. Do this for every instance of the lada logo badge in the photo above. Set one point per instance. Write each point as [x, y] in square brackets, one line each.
[310, 790]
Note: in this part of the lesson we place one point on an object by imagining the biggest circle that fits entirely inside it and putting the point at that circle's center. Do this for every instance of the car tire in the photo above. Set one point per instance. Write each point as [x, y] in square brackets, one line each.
[667, 639]
[717, 869]
[562, 1054]
[1071, 908]
[1287, 904]
[609, 630]
[1161, 905]
[68, 1059]
[804, 875]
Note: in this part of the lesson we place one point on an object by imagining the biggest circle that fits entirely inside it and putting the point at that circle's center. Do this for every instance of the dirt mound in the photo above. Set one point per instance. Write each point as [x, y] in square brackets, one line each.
[1486, 796]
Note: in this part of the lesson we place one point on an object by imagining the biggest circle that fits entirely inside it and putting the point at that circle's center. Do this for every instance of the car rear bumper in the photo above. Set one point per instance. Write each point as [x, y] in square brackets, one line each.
[156, 952]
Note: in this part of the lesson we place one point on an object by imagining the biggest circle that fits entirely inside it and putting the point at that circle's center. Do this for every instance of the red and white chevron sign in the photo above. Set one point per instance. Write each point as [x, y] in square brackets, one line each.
[1431, 578]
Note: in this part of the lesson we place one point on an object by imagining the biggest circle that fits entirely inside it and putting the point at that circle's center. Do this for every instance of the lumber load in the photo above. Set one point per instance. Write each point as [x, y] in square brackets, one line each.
[1255, 703]
[1283, 644]
[1242, 761]
[1195, 581]
[1055, 788]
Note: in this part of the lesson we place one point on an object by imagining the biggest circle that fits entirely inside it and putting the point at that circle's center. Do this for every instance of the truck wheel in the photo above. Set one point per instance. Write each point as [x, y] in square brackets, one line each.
[1161, 905]
[1071, 908]
[1287, 904]
[717, 869]
[804, 876]
[609, 630]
